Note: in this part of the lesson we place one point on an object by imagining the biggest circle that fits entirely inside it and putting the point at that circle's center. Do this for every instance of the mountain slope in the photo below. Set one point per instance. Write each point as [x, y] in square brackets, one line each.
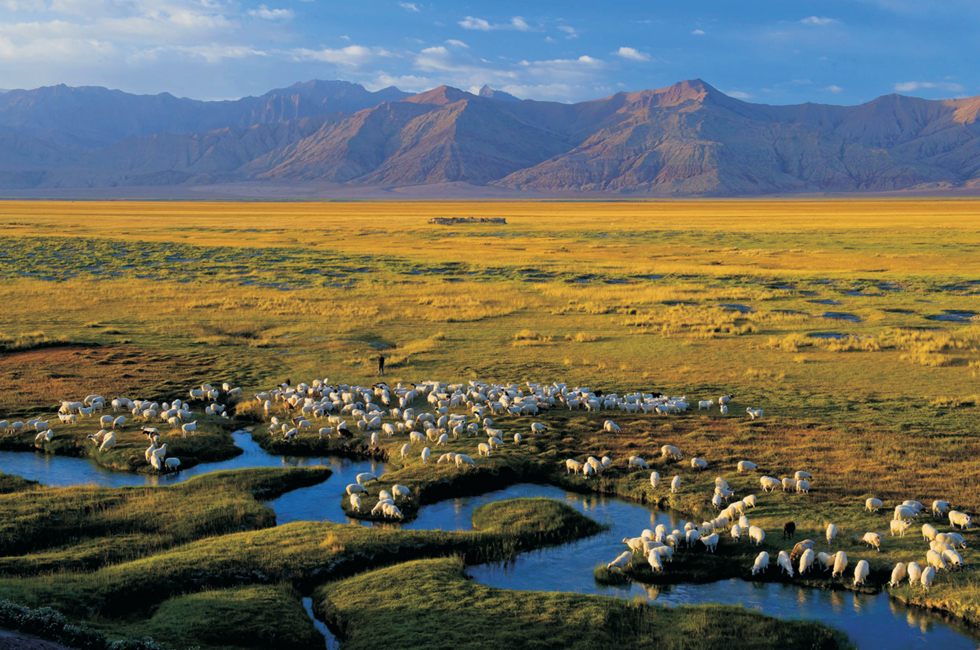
[685, 140]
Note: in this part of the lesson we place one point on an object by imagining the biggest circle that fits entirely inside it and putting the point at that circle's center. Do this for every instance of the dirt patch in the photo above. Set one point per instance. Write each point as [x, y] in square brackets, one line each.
[35, 380]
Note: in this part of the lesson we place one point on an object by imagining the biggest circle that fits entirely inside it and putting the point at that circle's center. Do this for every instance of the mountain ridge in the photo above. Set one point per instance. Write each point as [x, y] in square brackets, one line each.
[687, 139]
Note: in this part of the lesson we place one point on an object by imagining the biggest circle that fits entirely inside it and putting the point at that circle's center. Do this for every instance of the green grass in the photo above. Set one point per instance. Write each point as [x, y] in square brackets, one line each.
[431, 604]
[257, 616]
[86, 527]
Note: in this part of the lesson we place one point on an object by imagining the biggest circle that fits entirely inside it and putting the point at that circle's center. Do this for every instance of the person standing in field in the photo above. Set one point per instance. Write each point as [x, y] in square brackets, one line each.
[381, 365]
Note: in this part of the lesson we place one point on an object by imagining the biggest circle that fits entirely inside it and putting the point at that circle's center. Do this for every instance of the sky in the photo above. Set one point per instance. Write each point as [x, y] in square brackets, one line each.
[776, 52]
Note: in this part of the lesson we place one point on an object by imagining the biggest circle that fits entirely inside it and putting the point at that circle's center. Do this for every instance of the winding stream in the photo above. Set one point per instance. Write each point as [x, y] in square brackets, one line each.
[871, 621]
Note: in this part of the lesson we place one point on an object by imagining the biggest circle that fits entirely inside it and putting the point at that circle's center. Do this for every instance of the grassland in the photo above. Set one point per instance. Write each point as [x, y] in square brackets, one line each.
[850, 322]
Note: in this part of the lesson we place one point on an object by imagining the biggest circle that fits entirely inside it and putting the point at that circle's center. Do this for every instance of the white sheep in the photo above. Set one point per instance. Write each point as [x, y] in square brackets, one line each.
[928, 532]
[611, 427]
[803, 486]
[172, 463]
[723, 409]
[806, 560]
[826, 560]
[671, 452]
[426, 452]
[906, 512]
[654, 479]
[840, 564]
[914, 572]
[675, 485]
[736, 533]
[705, 404]
[953, 558]
[710, 542]
[872, 505]
[749, 501]
[872, 540]
[761, 563]
[356, 488]
[898, 574]
[861, 572]
[960, 519]
[119, 422]
[636, 461]
[405, 449]
[788, 484]
[769, 483]
[365, 477]
[572, 466]
[484, 449]
[391, 510]
[698, 463]
[355, 503]
[899, 526]
[783, 561]
[754, 413]
[190, 427]
[517, 439]
[655, 564]
[620, 562]
[935, 559]
[940, 508]
[831, 533]
[756, 534]
[108, 442]
[927, 577]
[463, 459]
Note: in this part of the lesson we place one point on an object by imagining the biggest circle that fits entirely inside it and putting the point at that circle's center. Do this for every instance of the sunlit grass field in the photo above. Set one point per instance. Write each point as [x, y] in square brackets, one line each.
[851, 323]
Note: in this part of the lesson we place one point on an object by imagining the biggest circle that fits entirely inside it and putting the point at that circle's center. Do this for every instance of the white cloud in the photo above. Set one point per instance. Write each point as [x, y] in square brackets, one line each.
[453, 41]
[911, 86]
[479, 24]
[410, 6]
[548, 39]
[818, 21]
[410, 83]
[353, 56]
[698, 32]
[631, 54]
[569, 31]
[834, 89]
[737, 94]
[265, 13]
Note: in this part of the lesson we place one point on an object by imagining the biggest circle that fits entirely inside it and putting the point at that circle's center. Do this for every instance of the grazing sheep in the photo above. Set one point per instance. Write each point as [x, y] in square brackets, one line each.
[826, 560]
[806, 561]
[391, 510]
[572, 466]
[928, 533]
[723, 409]
[899, 526]
[927, 577]
[756, 534]
[108, 442]
[954, 559]
[801, 547]
[405, 449]
[769, 483]
[898, 574]
[831, 533]
[960, 519]
[119, 422]
[692, 536]
[840, 564]
[355, 503]
[172, 463]
[705, 404]
[940, 508]
[861, 572]
[872, 505]
[801, 475]
[654, 479]
[788, 484]
[484, 449]
[754, 413]
[789, 529]
[761, 563]
[872, 540]
[736, 533]
[190, 427]
[634, 543]
[655, 564]
[746, 466]
[954, 539]
[905, 512]
[914, 572]
[675, 485]
[698, 463]
[356, 488]
[365, 477]
[803, 486]
[426, 452]
[935, 559]
[749, 501]
[636, 461]
[463, 459]
[611, 427]
[671, 452]
[401, 491]
[710, 542]
[782, 560]
[620, 562]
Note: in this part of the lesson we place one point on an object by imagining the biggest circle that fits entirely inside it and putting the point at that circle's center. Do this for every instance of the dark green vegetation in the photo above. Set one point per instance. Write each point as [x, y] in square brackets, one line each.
[84, 528]
[431, 604]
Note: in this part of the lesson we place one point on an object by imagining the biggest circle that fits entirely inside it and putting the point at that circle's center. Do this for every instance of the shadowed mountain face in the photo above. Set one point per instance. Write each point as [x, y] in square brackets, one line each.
[688, 139]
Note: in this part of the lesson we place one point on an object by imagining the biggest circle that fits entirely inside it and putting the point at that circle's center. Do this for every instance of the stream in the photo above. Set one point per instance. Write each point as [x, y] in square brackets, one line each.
[871, 621]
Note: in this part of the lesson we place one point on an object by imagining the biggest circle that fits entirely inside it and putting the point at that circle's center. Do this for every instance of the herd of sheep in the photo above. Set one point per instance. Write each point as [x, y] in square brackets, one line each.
[422, 412]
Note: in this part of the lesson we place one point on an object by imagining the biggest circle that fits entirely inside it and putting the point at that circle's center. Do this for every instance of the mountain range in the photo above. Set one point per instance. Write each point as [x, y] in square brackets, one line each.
[685, 140]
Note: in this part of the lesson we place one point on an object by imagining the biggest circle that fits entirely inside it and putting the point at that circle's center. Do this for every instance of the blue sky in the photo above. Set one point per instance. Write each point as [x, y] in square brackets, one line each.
[778, 52]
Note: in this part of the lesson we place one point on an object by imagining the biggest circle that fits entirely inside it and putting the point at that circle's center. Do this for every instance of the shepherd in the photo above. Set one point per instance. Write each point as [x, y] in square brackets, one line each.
[381, 365]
